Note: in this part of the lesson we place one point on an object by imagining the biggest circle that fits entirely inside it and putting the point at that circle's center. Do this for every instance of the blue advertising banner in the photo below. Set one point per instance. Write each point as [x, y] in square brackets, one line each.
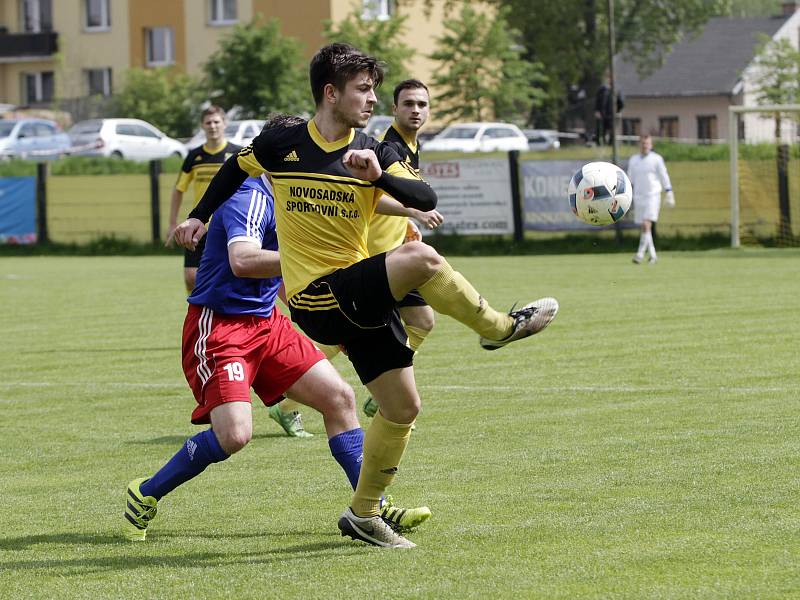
[544, 196]
[17, 210]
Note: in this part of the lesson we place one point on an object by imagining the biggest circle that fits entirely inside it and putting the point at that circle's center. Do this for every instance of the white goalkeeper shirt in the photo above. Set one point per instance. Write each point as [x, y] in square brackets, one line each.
[648, 174]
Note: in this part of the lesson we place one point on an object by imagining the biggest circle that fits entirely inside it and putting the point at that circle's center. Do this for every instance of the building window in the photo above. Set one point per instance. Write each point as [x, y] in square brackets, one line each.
[99, 81]
[38, 87]
[707, 128]
[632, 127]
[160, 46]
[668, 127]
[378, 9]
[98, 15]
[222, 12]
[37, 15]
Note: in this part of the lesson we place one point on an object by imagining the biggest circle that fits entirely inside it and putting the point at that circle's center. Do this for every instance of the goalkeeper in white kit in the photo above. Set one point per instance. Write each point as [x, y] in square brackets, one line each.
[648, 175]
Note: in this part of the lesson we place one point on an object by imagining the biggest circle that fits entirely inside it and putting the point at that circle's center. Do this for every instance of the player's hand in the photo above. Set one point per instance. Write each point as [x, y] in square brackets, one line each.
[170, 232]
[669, 199]
[413, 233]
[363, 164]
[430, 220]
[188, 234]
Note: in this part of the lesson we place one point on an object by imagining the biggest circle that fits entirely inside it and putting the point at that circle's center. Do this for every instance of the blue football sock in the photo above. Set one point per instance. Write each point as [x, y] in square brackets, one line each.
[348, 450]
[192, 459]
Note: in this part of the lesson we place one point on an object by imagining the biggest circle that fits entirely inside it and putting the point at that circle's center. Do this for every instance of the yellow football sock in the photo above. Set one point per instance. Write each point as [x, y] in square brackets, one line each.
[288, 405]
[384, 444]
[448, 292]
[328, 351]
[416, 335]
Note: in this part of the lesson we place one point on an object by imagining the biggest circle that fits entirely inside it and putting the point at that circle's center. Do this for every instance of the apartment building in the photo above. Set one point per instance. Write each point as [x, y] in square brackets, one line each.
[70, 49]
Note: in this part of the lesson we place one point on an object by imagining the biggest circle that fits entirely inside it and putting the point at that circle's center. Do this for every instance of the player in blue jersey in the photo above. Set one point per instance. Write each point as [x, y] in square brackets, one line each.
[235, 338]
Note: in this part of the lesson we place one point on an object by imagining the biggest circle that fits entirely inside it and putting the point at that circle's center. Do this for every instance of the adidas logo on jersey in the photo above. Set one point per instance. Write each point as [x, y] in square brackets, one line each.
[198, 157]
[291, 157]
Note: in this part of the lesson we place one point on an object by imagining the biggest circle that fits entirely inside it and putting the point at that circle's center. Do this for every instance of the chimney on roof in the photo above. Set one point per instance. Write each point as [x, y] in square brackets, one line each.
[789, 8]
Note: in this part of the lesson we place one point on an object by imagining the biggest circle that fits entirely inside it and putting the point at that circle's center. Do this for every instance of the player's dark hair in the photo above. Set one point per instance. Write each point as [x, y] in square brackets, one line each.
[339, 63]
[282, 120]
[212, 110]
[409, 84]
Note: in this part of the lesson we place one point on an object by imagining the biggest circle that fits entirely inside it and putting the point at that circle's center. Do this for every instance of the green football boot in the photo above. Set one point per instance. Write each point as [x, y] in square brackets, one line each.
[370, 407]
[292, 422]
[139, 511]
[403, 520]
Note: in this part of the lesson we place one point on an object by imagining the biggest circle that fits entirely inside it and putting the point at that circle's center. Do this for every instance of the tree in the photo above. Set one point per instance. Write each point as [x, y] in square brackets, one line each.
[166, 98]
[777, 75]
[258, 70]
[379, 38]
[569, 38]
[481, 75]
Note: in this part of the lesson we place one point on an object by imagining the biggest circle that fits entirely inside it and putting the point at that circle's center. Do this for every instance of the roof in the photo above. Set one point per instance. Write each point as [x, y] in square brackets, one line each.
[708, 64]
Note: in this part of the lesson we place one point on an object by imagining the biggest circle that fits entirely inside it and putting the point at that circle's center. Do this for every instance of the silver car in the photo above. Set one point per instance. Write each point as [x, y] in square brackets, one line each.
[32, 138]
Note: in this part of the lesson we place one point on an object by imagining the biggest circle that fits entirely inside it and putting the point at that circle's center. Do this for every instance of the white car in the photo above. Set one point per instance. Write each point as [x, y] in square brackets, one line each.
[478, 137]
[240, 133]
[377, 125]
[131, 139]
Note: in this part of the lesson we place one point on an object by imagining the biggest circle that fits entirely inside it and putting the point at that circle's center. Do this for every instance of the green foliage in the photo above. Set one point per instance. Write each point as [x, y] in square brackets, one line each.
[259, 70]
[569, 38]
[481, 74]
[87, 165]
[380, 38]
[777, 79]
[168, 99]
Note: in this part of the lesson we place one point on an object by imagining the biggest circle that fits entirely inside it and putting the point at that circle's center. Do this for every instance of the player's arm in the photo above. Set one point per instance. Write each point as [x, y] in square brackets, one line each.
[226, 181]
[248, 259]
[391, 207]
[396, 180]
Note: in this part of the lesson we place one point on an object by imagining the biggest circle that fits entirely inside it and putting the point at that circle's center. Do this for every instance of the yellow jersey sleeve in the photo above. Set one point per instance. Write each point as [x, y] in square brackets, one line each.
[184, 179]
[403, 169]
[249, 163]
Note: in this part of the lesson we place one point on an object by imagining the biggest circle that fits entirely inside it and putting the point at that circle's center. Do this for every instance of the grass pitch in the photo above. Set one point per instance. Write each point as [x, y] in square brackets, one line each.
[645, 446]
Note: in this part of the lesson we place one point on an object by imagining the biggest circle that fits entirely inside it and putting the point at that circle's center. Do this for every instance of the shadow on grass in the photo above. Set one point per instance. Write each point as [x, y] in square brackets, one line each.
[155, 557]
[180, 439]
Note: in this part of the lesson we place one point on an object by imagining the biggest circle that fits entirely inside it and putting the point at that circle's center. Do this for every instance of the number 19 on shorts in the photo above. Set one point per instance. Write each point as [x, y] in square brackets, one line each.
[235, 371]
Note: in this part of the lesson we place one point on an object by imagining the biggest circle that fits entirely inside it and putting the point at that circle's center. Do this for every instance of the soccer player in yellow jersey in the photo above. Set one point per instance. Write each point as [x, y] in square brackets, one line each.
[199, 167]
[327, 181]
[411, 109]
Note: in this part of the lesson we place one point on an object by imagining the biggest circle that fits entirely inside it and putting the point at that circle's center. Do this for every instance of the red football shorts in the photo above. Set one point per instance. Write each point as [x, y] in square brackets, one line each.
[224, 356]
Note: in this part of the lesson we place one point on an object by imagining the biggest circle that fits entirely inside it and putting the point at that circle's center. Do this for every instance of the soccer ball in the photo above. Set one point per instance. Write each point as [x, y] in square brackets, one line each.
[600, 193]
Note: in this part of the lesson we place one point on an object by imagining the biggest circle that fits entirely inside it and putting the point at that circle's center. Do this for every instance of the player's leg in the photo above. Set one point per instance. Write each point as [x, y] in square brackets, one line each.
[651, 247]
[419, 322]
[417, 265]
[221, 386]
[287, 415]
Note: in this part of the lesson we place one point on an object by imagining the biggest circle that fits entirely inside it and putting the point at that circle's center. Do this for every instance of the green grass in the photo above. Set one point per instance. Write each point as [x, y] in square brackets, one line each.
[645, 446]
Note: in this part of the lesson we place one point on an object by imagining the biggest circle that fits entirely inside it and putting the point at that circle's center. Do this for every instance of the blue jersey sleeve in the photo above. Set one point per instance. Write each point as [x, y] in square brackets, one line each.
[247, 214]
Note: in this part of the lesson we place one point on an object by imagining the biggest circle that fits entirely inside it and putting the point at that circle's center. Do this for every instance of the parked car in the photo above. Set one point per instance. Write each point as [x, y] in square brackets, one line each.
[377, 125]
[478, 137]
[542, 139]
[32, 138]
[240, 133]
[132, 139]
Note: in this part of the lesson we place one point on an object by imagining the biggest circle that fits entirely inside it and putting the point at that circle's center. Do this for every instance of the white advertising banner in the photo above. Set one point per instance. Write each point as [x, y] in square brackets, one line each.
[474, 195]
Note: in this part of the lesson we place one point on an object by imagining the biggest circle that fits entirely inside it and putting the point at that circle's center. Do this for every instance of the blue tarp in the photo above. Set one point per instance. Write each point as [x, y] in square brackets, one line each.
[17, 210]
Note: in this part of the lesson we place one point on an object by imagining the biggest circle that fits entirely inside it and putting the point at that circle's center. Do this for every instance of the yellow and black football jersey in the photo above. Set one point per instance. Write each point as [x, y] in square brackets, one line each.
[200, 166]
[322, 212]
[388, 232]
